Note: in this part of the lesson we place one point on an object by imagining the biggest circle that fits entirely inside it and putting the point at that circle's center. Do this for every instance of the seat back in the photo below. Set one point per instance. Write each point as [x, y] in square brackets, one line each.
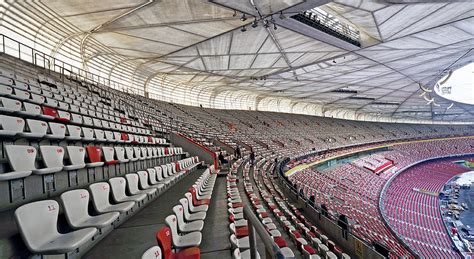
[185, 203]
[88, 133]
[179, 213]
[75, 204]
[74, 131]
[100, 195]
[163, 237]
[94, 154]
[99, 134]
[109, 135]
[21, 158]
[143, 177]
[37, 222]
[10, 104]
[118, 185]
[138, 152]
[32, 109]
[76, 155]
[50, 111]
[129, 152]
[164, 171]
[35, 126]
[152, 253]
[189, 199]
[9, 123]
[120, 151]
[57, 129]
[159, 173]
[108, 153]
[152, 175]
[171, 222]
[52, 156]
[132, 180]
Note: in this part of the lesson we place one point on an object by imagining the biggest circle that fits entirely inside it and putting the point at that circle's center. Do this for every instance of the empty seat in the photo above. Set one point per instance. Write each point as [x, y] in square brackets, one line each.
[56, 131]
[109, 155]
[183, 226]
[37, 222]
[191, 216]
[94, 155]
[100, 198]
[153, 252]
[9, 105]
[88, 134]
[118, 186]
[164, 239]
[132, 180]
[182, 241]
[75, 156]
[130, 154]
[73, 132]
[11, 126]
[52, 159]
[34, 129]
[149, 176]
[120, 151]
[76, 204]
[21, 160]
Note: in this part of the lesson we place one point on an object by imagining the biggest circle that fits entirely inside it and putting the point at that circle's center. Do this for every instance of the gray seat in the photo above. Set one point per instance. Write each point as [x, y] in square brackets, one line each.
[185, 227]
[57, 131]
[34, 129]
[182, 241]
[144, 177]
[37, 222]
[52, 159]
[75, 157]
[21, 160]
[118, 186]
[11, 126]
[132, 180]
[75, 205]
[120, 152]
[153, 252]
[100, 199]
[153, 180]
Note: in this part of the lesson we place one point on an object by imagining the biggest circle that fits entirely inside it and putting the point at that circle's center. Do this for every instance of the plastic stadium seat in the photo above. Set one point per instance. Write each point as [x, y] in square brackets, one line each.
[191, 216]
[182, 241]
[100, 198]
[87, 134]
[95, 156]
[185, 227]
[34, 129]
[76, 156]
[50, 112]
[153, 252]
[6, 90]
[76, 204]
[132, 183]
[120, 152]
[9, 105]
[118, 186]
[21, 160]
[193, 208]
[73, 132]
[11, 126]
[153, 179]
[138, 153]
[144, 177]
[164, 239]
[130, 154]
[237, 254]
[109, 136]
[241, 243]
[31, 109]
[109, 155]
[99, 135]
[160, 177]
[196, 201]
[52, 159]
[37, 222]
[56, 131]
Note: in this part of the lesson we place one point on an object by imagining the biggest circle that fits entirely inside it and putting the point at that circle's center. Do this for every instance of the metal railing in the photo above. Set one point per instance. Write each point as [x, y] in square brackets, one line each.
[255, 228]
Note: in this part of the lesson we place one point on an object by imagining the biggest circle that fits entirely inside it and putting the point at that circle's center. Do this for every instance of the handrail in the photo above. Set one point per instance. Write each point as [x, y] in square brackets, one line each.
[254, 225]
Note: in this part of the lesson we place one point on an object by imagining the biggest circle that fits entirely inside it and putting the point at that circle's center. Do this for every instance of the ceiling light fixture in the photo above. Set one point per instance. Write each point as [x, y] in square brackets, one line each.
[243, 18]
[275, 26]
[282, 16]
[243, 29]
[255, 23]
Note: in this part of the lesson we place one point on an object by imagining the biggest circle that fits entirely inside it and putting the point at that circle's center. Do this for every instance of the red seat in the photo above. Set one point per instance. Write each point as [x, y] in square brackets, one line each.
[241, 231]
[94, 154]
[280, 241]
[124, 136]
[310, 250]
[50, 112]
[163, 237]
[264, 215]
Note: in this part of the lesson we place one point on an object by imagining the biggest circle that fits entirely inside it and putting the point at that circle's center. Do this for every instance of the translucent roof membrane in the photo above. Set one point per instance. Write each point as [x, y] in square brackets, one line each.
[458, 85]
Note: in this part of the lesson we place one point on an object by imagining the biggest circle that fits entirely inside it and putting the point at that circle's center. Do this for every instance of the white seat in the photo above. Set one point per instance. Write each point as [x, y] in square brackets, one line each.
[100, 198]
[75, 156]
[132, 180]
[130, 154]
[9, 105]
[185, 227]
[57, 131]
[243, 255]
[99, 135]
[75, 205]
[118, 186]
[144, 177]
[88, 134]
[153, 180]
[73, 132]
[34, 129]
[37, 222]
[153, 252]
[11, 126]
[160, 177]
[120, 151]
[189, 216]
[52, 159]
[181, 241]
[21, 160]
[241, 243]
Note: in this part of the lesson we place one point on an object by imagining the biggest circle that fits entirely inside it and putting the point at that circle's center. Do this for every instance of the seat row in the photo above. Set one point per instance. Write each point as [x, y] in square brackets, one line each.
[37, 221]
[181, 236]
[22, 158]
[17, 127]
